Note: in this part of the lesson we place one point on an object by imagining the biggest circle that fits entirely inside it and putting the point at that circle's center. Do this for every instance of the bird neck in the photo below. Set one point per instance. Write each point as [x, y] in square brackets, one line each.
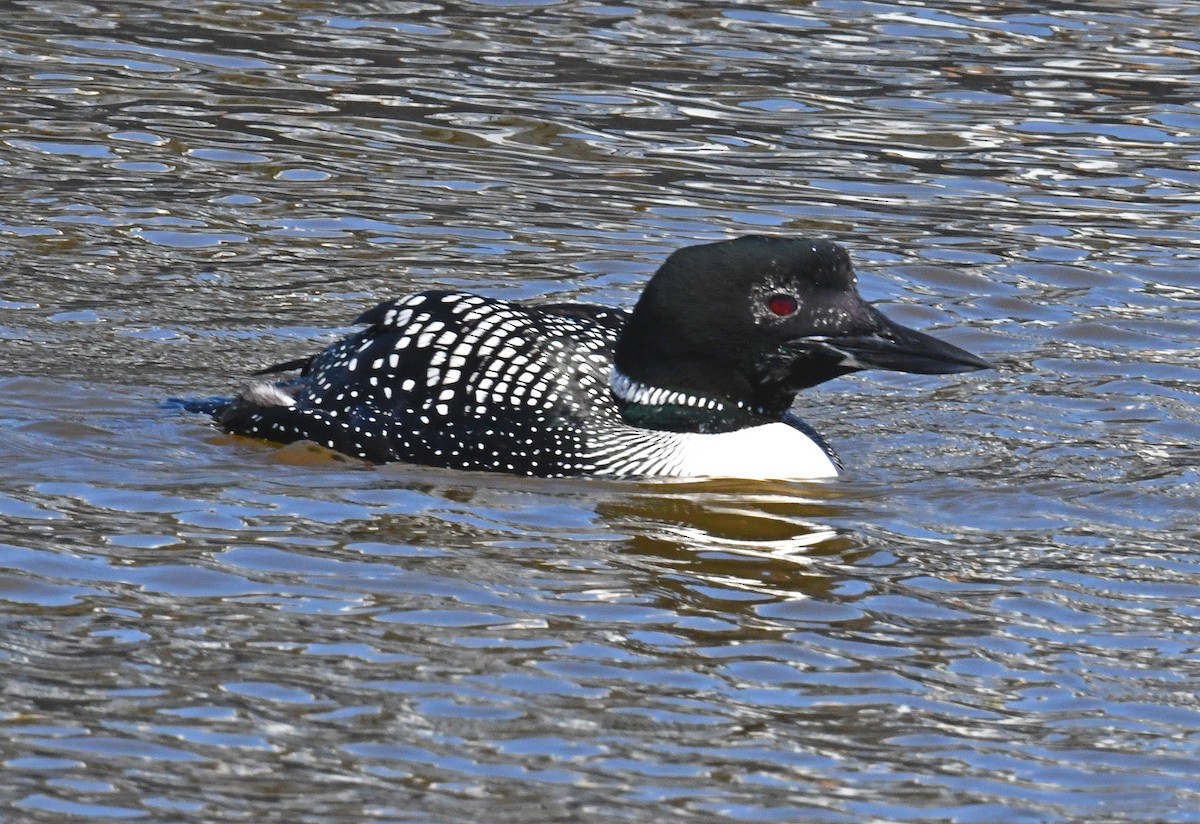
[654, 407]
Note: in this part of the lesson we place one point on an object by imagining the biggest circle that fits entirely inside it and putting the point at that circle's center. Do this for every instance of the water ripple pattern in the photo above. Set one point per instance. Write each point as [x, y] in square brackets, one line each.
[993, 617]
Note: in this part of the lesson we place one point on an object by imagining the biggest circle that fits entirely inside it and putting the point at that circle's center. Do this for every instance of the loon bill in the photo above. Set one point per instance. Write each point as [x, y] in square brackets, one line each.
[696, 381]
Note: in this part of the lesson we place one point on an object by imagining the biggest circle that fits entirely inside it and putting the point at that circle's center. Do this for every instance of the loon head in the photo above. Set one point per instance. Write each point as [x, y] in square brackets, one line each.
[725, 334]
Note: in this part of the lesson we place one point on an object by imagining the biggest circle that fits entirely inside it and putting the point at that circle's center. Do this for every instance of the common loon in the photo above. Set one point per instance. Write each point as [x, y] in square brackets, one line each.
[696, 381]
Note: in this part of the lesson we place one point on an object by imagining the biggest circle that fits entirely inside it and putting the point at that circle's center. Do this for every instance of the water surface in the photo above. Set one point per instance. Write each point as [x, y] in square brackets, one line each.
[992, 617]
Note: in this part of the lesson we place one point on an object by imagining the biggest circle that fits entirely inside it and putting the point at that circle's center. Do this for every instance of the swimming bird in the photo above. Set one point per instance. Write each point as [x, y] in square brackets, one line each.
[697, 380]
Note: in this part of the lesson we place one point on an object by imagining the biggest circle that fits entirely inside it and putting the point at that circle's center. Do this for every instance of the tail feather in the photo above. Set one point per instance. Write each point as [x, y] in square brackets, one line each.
[287, 366]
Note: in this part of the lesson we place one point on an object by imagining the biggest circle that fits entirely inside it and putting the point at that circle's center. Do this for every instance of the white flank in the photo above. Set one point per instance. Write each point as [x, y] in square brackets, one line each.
[265, 393]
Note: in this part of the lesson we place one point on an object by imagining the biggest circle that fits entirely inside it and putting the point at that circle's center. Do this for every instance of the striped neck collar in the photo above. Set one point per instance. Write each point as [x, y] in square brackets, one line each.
[631, 391]
[673, 410]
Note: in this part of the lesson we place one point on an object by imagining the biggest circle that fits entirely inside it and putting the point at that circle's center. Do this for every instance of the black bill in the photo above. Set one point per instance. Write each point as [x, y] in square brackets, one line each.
[900, 349]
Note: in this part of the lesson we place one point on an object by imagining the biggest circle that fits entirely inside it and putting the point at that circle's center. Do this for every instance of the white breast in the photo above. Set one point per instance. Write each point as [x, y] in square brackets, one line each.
[773, 450]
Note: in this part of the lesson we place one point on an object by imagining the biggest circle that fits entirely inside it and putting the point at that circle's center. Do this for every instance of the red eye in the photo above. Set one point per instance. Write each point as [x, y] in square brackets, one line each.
[781, 305]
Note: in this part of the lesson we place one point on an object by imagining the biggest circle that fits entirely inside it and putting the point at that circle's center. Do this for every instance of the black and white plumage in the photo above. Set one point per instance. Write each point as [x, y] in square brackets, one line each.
[696, 381]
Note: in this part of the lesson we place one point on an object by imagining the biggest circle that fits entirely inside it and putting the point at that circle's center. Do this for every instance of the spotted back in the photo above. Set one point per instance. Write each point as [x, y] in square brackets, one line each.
[454, 379]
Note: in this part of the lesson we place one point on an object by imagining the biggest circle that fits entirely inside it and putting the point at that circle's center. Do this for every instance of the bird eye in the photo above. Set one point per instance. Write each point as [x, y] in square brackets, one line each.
[781, 305]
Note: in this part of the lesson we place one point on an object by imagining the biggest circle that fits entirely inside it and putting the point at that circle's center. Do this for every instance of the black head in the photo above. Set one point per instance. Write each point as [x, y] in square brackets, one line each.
[750, 322]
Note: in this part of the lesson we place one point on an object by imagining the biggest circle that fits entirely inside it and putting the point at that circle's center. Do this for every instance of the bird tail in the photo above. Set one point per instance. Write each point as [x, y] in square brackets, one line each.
[213, 407]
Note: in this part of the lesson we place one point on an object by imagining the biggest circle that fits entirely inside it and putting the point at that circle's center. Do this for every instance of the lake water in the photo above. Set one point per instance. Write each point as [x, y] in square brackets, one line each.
[994, 616]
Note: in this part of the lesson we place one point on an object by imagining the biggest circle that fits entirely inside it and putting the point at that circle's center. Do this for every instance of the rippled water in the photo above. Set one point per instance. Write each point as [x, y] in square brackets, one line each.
[992, 617]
